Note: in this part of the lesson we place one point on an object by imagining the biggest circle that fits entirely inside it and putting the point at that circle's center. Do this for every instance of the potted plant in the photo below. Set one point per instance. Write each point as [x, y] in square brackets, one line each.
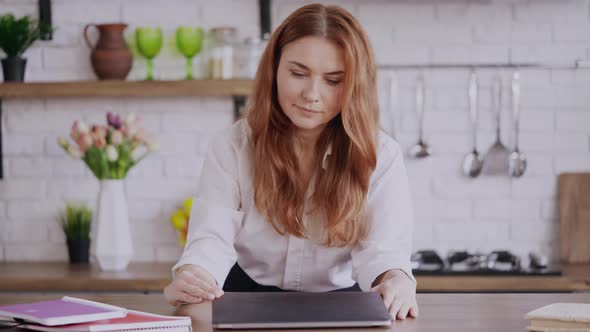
[75, 222]
[16, 35]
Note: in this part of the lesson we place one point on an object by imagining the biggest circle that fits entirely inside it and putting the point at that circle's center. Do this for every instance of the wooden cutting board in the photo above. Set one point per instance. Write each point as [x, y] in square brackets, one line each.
[574, 217]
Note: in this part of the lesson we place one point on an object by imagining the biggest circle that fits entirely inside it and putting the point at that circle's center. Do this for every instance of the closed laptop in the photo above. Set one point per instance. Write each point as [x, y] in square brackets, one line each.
[259, 310]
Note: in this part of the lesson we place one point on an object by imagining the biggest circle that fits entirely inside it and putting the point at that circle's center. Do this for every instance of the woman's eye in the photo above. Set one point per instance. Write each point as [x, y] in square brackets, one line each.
[300, 74]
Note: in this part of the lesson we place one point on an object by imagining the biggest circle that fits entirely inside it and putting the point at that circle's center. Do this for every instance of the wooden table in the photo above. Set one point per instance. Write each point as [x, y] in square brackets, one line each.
[153, 277]
[438, 312]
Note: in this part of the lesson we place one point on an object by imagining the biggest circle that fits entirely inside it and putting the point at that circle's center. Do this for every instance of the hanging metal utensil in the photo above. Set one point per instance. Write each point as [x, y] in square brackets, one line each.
[495, 161]
[517, 163]
[473, 162]
[420, 149]
[393, 103]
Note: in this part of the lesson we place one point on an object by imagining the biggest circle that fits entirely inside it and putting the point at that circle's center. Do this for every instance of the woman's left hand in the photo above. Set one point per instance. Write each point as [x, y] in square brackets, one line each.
[398, 292]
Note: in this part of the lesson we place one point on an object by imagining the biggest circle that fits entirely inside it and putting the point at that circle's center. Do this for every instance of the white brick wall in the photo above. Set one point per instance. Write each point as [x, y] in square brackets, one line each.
[452, 212]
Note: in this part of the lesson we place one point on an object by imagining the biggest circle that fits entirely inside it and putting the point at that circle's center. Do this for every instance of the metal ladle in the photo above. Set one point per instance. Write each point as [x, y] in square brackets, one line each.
[420, 149]
[473, 162]
[517, 161]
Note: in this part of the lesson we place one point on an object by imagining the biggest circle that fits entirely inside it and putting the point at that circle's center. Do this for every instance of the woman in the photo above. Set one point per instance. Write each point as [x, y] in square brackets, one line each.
[305, 193]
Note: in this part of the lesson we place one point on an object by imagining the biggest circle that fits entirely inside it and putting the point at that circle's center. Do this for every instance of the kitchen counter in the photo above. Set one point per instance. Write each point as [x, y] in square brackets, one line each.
[153, 277]
[41, 277]
[440, 312]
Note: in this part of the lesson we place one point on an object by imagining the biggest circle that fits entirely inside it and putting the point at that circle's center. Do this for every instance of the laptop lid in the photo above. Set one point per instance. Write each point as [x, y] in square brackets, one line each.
[258, 310]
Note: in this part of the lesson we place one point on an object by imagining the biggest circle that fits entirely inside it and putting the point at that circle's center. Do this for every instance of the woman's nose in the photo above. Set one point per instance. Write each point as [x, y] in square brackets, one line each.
[311, 92]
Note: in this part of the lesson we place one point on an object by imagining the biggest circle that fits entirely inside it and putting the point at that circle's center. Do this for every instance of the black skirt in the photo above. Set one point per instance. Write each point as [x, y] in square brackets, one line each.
[238, 281]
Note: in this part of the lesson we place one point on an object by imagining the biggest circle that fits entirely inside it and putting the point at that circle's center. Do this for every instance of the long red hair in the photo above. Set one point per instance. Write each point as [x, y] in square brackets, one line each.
[341, 189]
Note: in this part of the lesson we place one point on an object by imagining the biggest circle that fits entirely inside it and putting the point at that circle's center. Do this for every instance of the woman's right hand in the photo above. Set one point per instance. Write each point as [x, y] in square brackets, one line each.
[192, 284]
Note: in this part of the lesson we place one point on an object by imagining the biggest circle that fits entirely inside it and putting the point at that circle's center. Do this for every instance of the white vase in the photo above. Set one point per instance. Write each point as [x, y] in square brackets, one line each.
[112, 246]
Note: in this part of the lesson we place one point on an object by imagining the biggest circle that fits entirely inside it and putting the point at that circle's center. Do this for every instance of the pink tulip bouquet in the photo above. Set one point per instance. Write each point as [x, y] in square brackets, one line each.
[110, 150]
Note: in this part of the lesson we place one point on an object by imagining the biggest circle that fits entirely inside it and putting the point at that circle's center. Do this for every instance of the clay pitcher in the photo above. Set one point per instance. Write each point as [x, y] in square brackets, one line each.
[111, 58]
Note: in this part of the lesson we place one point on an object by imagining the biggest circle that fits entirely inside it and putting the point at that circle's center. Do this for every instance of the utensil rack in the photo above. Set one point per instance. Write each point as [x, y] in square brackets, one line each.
[580, 64]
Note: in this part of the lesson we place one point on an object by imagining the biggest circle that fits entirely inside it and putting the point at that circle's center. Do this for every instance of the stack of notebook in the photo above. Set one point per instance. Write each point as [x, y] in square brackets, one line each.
[558, 317]
[70, 314]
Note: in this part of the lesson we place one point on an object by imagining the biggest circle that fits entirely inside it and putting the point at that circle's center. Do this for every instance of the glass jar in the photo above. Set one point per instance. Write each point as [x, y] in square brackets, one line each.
[247, 58]
[221, 53]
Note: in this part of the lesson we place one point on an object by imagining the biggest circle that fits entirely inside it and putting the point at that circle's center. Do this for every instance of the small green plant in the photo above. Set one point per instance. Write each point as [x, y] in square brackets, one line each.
[16, 35]
[75, 221]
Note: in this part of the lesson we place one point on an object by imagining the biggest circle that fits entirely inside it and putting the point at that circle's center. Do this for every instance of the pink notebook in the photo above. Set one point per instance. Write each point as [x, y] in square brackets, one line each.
[67, 310]
[135, 320]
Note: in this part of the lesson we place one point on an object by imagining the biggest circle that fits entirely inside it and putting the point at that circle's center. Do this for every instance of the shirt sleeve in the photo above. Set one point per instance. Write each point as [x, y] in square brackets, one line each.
[390, 212]
[215, 217]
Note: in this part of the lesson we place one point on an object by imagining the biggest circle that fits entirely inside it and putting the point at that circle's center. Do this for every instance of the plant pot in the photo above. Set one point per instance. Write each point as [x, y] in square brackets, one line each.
[14, 69]
[78, 251]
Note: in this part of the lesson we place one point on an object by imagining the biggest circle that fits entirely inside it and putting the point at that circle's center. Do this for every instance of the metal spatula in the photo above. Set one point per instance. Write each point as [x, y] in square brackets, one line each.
[496, 159]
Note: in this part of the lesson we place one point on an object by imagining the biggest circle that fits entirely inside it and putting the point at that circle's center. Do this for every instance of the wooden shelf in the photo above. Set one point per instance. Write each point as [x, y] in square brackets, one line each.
[237, 89]
[115, 88]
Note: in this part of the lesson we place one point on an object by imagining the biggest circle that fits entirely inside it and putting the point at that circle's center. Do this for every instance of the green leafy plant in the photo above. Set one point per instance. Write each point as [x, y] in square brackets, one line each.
[16, 35]
[75, 221]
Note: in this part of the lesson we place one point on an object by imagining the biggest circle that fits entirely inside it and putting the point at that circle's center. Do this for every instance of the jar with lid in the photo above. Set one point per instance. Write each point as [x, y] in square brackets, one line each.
[248, 54]
[221, 49]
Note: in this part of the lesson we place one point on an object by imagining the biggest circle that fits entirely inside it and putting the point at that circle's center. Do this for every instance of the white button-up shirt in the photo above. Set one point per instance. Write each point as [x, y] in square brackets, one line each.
[225, 225]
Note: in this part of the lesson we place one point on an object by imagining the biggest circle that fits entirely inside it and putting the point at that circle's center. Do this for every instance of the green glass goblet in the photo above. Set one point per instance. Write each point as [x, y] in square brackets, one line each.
[149, 42]
[189, 41]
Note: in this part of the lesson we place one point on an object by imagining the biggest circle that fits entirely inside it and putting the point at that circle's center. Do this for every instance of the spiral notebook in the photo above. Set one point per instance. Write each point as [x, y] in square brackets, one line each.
[134, 320]
[67, 310]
